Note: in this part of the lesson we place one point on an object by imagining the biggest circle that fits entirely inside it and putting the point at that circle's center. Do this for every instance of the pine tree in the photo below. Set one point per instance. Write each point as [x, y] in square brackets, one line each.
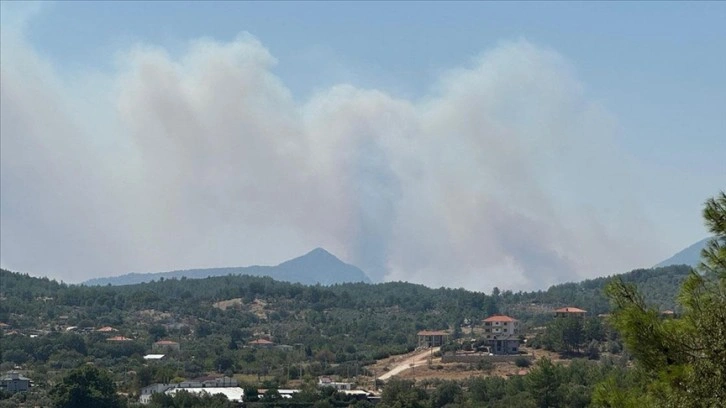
[682, 361]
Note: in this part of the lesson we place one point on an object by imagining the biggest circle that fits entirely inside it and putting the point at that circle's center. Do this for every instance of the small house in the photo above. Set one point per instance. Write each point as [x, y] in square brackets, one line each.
[262, 343]
[570, 312]
[429, 338]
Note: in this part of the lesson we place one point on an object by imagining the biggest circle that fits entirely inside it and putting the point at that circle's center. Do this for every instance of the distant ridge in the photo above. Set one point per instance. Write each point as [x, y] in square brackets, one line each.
[317, 266]
[690, 256]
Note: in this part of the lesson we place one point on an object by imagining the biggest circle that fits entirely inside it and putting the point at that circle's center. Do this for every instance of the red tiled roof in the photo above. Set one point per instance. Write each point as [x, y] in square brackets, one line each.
[432, 333]
[119, 338]
[500, 318]
[570, 310]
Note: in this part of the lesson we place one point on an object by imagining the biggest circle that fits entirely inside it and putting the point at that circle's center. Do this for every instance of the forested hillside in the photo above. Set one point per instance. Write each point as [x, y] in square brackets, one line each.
[660, 288]
[339, 330]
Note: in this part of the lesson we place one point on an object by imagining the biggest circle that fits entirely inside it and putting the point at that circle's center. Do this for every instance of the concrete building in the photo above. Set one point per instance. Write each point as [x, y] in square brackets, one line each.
[501, 334]
[428, 338]
[152, 389]
[14, 382]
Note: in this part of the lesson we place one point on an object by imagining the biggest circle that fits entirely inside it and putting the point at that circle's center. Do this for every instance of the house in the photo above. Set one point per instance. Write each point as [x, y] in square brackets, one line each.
[428, 338]
[153, 357]
[162, 345]
[13, 382]
[262, 343]
[501, 334]
[152, 389]
[570, 312]
[357, 394]
[500, 324]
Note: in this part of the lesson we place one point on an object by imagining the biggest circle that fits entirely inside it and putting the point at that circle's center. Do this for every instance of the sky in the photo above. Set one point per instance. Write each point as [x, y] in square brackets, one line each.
[467, 144]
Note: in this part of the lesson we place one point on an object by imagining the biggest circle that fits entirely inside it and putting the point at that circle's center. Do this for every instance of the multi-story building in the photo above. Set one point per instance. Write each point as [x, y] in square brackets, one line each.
[429, 338]
[501, 334]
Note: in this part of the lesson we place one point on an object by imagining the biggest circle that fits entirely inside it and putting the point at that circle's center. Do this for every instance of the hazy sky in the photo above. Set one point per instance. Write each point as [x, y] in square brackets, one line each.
[450, 144]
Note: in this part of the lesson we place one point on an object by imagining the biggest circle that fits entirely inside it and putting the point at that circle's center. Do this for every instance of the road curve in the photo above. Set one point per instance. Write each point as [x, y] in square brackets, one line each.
[415, 360]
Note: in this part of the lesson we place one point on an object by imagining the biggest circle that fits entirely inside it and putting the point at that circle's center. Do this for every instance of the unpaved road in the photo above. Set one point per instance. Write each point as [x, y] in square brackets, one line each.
[418, 359]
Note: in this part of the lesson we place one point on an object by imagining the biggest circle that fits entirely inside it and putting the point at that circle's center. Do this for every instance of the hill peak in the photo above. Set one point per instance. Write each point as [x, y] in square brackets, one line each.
[321, 252]
[322, 267]
[690, 256]
[315, 267]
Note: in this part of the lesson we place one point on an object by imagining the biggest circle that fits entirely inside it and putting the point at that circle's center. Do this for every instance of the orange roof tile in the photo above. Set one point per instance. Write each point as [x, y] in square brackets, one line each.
[432, 333]
[119, 338]
[500, 318]
[570, 310]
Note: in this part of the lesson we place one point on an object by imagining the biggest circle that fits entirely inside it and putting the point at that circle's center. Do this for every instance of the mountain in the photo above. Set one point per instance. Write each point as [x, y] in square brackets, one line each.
[317, 266]
[690, 256]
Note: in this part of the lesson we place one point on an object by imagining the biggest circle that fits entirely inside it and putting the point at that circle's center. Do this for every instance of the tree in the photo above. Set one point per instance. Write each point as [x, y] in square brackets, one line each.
[157, 332]
[544, 384]
[402, 394]
[564, 334]
[86, 387]
[448, 392]
[683, 360]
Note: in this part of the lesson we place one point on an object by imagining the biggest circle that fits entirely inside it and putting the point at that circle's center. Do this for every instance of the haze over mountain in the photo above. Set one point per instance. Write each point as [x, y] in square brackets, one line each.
[317, 266]
[247, 135]
[690, 256]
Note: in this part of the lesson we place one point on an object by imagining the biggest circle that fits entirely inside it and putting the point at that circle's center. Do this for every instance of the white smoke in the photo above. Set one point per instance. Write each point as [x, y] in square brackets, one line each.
[505, 174]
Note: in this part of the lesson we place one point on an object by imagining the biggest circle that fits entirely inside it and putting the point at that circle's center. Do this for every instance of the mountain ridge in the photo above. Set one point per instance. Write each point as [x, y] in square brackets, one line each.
[690, 255]
[315, 267]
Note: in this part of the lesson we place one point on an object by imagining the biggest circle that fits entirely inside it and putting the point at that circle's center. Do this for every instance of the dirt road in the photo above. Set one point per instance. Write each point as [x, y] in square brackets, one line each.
[418, 359]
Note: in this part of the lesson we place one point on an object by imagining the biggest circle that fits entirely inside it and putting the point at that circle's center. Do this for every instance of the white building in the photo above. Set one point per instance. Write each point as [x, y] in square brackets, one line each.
[234, 394]
[501, 334]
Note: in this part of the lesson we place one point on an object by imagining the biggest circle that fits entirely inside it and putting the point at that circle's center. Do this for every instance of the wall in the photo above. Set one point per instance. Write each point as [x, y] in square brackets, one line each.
[475, 358]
